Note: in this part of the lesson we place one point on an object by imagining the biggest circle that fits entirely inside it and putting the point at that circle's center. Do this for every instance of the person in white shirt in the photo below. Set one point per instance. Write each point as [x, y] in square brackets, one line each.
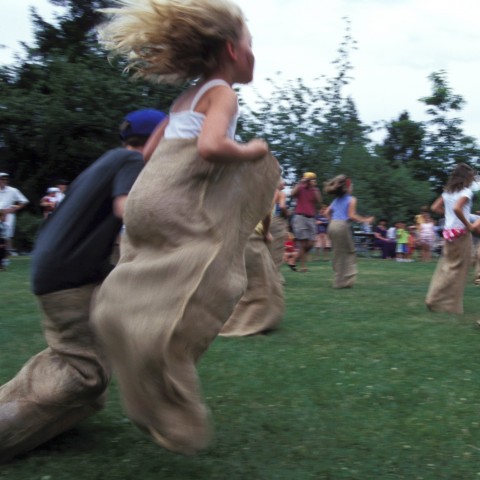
[11, 201]
[62, 185]
[445, 293]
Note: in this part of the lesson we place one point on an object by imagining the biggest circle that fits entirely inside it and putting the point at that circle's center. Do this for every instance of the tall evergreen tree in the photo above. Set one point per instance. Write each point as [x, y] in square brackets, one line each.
[404, 144]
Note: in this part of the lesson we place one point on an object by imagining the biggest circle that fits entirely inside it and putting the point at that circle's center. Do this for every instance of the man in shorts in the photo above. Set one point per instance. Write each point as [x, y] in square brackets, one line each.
[308, 198]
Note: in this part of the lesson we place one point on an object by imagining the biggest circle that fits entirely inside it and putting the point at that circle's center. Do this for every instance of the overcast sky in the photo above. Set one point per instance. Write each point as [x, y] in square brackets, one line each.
[400, 42]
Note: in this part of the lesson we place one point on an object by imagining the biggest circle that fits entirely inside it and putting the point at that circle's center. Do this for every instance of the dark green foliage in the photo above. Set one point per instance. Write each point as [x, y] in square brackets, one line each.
[445, 143]
[26, 231]
[404, 145]
[62, 103]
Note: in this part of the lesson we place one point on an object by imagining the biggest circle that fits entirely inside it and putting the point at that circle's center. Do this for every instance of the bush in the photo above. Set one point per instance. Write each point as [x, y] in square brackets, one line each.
[26, 231]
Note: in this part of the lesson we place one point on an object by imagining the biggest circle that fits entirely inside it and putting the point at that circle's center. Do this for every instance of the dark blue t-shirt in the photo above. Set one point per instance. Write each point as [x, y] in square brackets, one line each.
[74, 244]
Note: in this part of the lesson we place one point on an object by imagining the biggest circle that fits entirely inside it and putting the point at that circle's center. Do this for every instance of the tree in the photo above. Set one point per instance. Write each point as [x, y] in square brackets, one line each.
[309, 127]
[60, 105]
[317, 128]
[445, 142]
[404, 145]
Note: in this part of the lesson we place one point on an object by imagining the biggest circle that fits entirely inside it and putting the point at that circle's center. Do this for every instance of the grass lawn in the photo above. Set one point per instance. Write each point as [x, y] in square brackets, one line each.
[362, 383]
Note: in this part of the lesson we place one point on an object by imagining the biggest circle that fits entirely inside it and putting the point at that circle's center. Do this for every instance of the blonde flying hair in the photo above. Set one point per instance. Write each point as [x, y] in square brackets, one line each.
[171, 41]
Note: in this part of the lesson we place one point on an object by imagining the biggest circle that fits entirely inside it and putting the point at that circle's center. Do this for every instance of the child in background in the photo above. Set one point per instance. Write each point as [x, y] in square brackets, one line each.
[402, 242]
[412, 242]
[426, 236]
[392, 233]
[322, 242]
[188, 216]
[341, 212]
[50, 201]
[291, 252]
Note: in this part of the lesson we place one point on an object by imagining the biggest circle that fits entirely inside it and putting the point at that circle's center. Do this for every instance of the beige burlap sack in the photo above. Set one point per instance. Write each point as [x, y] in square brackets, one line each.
[61, 385]
[344, 261]
[262, 306]
[180, 274]
[445, 293]
[278, 229]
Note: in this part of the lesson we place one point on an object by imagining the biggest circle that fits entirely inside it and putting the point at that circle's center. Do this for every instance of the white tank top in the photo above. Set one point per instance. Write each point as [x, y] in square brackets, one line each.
[188, 123]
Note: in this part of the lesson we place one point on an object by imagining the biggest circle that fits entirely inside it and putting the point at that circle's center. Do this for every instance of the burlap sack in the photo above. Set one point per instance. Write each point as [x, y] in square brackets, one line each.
[344, 261]
[445, 293]
[61, 385]
[180, 274]
[278, 229]
[262, 306]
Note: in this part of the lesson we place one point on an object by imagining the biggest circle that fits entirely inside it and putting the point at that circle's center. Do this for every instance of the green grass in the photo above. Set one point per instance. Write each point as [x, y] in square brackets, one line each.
[362, 383]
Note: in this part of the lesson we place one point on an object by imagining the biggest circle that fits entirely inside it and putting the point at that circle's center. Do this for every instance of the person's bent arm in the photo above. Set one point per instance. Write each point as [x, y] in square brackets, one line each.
[297, 187]
[438, 206]
[213, 143]
[458, 210]
[353, 215]
[318, 195]
[14, 208]
[282, 203]
[328, 213]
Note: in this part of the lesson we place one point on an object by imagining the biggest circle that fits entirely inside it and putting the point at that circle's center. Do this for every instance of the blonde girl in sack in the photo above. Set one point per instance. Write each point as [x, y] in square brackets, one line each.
[188, 216]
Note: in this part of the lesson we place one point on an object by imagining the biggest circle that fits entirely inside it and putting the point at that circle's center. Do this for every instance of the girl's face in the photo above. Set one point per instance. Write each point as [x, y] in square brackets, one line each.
[245, 59]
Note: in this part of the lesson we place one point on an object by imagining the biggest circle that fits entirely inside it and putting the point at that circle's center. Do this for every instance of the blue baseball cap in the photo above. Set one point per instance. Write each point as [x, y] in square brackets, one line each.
[141, 123]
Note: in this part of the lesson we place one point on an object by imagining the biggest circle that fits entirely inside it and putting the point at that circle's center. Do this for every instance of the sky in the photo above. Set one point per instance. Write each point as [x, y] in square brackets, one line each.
[399, 44]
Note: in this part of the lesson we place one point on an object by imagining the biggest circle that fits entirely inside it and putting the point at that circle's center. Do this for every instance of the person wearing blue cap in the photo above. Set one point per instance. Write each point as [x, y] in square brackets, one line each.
[66, 383]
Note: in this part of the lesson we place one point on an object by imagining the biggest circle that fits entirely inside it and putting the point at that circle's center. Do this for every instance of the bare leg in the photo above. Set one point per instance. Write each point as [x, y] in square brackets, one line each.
[305, 246]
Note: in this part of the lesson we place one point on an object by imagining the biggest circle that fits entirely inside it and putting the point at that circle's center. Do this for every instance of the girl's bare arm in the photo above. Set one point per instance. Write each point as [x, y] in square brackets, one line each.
[353, 215]
[438, 206]
[458, 209]
[213, 143]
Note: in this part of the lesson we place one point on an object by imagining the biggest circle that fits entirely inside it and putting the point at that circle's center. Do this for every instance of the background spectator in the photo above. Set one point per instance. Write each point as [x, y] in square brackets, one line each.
[11, 201]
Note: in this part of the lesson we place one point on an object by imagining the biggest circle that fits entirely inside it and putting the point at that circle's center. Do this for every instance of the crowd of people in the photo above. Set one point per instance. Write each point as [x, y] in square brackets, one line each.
[12, 200]
[420, 240]
[206, 227]
[314, 230]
